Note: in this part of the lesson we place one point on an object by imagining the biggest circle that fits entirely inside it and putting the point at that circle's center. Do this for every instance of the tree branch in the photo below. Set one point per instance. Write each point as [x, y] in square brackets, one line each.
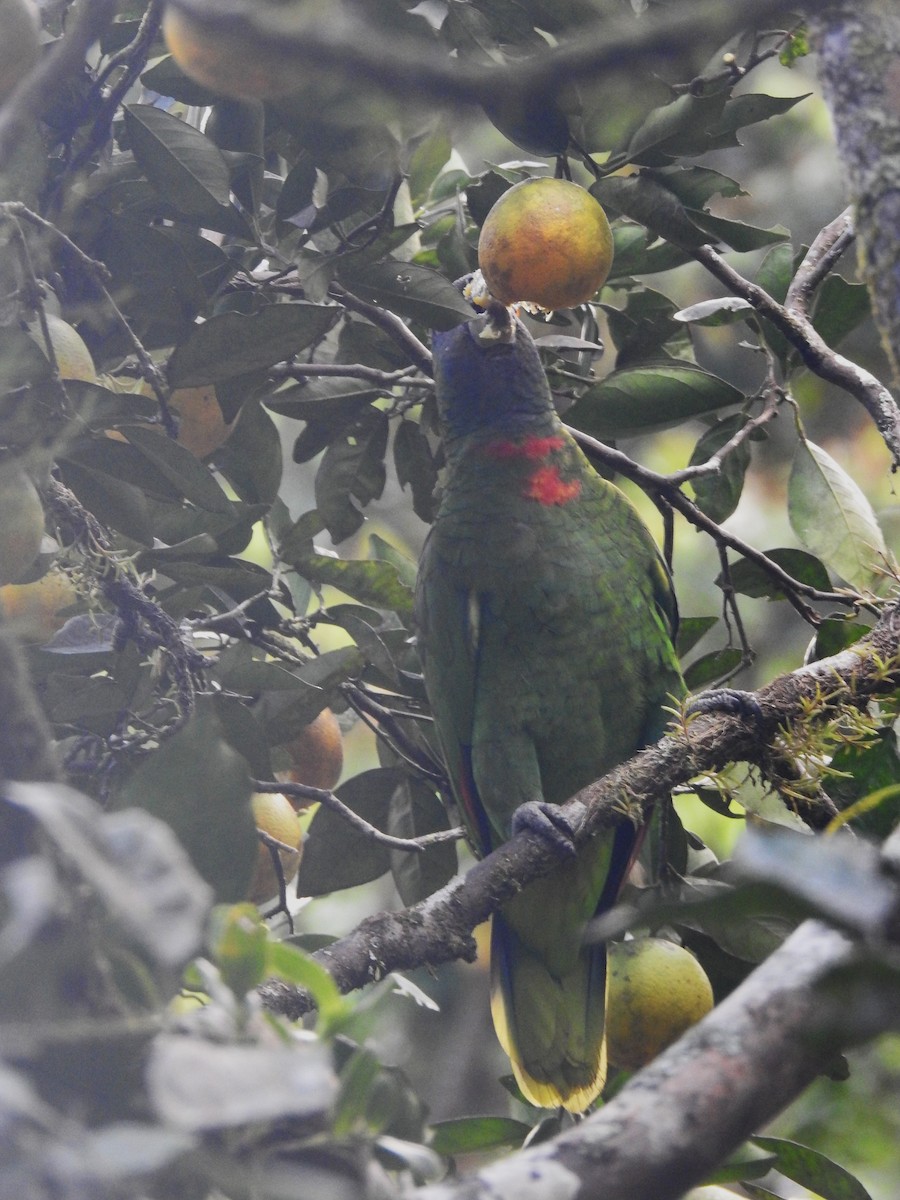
[439, 929]
[814, 350]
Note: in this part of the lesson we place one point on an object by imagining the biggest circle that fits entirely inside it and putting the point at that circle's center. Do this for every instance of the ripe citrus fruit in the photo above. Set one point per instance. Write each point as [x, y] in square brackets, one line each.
[202, 428]
[274, 815]
[34, 608]
[20, 45]
[657, 990]
[546, 241]
[316, 753]
[223, 57]
[21, 522]
[72, 355]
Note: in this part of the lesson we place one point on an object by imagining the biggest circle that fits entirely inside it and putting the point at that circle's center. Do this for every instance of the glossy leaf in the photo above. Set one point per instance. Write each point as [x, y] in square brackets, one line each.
[750, 579]
[233, 344]
[352, 470]
[832, 517]
[468, 1135]
[185, 167]
[415, 811]
[410, 290]
[336, 855]
[812, 1169]
[637, 401]
[718, 495]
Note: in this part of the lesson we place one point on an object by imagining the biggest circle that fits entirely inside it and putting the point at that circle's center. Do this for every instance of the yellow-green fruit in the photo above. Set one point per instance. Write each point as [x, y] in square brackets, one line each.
[34, 609]
[21, 522]
[227, 59]
[72, 355]
[657, 990]
[546, 241]
[20, 44]
[275, 815]
[316, 754]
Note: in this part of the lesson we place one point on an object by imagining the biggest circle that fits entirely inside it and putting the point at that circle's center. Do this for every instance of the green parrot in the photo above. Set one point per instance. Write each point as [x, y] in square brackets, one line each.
[545, 618]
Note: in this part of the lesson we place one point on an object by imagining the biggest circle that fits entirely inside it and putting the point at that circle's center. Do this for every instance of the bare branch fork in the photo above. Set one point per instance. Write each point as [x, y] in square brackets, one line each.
[439, 929]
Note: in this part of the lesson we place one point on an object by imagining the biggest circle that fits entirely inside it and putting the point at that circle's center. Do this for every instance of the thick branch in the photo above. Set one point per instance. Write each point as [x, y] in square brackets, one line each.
[405, 65]
[691, 1107]
[439, 929]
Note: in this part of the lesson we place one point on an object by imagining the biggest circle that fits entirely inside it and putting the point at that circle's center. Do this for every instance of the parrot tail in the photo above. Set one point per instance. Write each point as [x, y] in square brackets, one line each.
[551, 1026]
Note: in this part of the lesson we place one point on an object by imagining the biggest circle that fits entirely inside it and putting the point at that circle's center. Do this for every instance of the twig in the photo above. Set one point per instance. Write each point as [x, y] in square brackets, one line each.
[392, 325]
[813, 349]
[303, 791]
[821, 258]
[383, 379]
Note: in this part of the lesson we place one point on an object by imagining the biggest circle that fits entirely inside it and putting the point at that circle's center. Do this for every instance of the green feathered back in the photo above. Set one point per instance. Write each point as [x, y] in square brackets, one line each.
[545, 618]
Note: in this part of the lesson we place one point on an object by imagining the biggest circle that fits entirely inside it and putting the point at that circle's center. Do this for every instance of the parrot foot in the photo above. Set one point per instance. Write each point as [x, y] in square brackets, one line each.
[549, 822]
[727, 701]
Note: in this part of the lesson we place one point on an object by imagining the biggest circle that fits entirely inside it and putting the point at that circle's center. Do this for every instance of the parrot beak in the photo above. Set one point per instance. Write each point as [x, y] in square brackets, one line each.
[496, 326]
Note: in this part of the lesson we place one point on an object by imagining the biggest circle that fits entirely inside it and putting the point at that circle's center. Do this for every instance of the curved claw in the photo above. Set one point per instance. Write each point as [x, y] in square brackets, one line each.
[549, 822]
[730, 701]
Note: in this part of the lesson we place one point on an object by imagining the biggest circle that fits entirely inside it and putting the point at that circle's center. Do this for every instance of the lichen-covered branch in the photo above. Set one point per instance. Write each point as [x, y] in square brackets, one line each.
[439, 929]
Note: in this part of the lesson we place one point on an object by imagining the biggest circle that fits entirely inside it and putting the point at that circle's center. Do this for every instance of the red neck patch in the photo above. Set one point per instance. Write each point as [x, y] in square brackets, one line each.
[547, 486]
[544, 483]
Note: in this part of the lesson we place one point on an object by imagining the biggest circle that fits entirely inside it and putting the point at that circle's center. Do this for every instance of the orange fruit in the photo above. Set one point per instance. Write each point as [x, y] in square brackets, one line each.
[657, 990]
[202, 428]
[316, 754]
[21, 522]
[547, 242]
[34, 608]
[274, 814]
[226, 58]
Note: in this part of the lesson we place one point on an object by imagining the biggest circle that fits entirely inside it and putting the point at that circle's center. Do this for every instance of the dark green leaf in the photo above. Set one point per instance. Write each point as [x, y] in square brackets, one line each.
[838, 878]
[690, 631]
[335, 854]
[468, 1135]
[840, 306]
[531, 119]
[638, 253]
[636, 401]
[749, 579]
[736, 234]
[117, 504]
[711, 668]
[415, 465]
[251, 457]
[749, 109]
[679, 127]
[200, 786]
[167, 78]
[233, 344]
[645, 199]
[352, 469]
[868, 778]
[811, 1169]
[718, 495]
[186, 168]
[183, 471]
[410, 290]
[416, 810]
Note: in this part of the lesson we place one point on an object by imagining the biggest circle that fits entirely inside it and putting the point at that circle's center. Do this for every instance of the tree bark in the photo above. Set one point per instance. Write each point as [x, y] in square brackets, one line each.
[858, 42]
